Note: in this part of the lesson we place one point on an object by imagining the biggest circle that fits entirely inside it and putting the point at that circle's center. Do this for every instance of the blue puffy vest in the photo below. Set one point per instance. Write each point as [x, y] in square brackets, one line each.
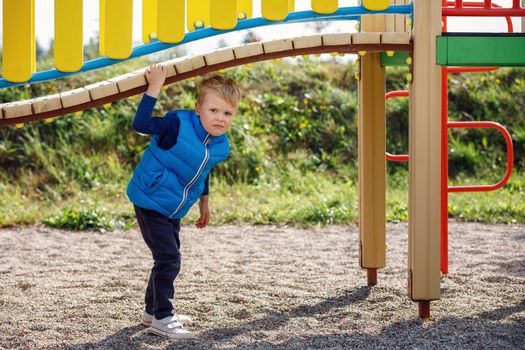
[170, 181]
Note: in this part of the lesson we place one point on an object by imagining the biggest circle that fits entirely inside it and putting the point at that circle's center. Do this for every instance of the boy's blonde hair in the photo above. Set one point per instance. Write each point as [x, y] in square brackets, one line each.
[223, 86]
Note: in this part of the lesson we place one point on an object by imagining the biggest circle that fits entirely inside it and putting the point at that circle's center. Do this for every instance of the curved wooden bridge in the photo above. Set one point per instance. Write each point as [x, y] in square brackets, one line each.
[182, 68]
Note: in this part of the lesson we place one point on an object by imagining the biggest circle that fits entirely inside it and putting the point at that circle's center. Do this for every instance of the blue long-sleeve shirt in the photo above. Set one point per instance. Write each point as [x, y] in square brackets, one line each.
[167, 128]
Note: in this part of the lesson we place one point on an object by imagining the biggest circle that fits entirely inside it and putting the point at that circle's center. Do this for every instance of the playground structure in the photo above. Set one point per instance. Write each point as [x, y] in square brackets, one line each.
[391, 33]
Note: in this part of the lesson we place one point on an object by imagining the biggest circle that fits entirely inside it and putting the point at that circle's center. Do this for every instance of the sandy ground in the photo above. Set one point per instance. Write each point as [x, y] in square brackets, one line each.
[258, 287]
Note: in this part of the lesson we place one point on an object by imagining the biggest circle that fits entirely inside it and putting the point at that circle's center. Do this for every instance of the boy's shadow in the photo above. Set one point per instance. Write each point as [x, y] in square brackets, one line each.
[136, 337]
[132, 337]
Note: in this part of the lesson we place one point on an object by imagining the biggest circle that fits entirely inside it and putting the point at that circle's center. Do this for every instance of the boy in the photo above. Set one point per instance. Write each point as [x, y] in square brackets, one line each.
[172, 174]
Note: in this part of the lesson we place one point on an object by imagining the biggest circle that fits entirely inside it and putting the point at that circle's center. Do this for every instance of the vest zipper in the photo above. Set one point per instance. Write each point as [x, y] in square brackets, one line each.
[199, 172]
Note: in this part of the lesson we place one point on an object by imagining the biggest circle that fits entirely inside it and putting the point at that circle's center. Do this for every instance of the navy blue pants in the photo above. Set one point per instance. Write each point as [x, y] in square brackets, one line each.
[162, 237]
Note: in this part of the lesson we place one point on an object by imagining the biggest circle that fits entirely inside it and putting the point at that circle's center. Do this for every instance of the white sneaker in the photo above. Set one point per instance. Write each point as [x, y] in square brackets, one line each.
[147, 318]
[169, 327]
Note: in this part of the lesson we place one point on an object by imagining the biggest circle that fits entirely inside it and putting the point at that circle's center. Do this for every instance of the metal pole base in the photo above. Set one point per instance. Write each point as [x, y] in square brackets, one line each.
[372, 276]
[424, 309]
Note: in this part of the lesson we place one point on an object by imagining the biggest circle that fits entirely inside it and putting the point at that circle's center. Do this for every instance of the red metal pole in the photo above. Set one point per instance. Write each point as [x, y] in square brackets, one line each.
[510, 155]
[483, 12]
[444, 165]
[471, 69]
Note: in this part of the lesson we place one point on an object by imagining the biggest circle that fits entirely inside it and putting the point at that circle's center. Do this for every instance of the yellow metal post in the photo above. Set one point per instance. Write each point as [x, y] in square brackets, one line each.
[149, 20]
[274, 10]
[223, 14]
[371, 155]
[291, 5]
[198, 14]
[68, 44]
[18, 49]
[116, 25]
[324, 6]
[170, 20]
[425, 157]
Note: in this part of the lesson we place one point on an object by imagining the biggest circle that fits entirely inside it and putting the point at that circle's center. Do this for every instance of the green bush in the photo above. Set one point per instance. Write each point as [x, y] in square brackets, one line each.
[89, 218]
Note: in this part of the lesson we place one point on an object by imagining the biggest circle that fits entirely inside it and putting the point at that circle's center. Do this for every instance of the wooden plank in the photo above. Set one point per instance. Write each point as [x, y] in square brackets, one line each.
[46, 103]
[366, 38]
[400, 20]
[16, 109]
[170, 68]
[337, 39]
[74, 97]
[219, 56]
[130, 81]
[187, 64]
[371, 148]
[251, 49]
[307, 41]
[390, 21]
[424, 229]
[395, 38]
[102, 89]
[277, 45]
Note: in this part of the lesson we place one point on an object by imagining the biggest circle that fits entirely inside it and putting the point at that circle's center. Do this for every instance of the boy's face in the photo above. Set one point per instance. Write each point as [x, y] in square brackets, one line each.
[216, 114]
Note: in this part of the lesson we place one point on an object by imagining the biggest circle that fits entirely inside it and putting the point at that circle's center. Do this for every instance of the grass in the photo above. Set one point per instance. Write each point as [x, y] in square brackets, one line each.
[288, 198]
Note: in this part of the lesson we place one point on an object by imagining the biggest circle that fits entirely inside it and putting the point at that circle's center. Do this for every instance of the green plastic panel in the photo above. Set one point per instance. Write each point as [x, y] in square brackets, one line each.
[399, 59]
[502, 50]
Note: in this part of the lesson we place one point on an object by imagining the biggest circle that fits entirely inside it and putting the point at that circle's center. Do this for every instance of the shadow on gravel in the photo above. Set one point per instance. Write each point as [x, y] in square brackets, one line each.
[475, 332]
[275, 320]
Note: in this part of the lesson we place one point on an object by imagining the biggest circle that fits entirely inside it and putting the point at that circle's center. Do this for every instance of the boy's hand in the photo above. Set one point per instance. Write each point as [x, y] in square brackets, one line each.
[156, 75]
[204, 209]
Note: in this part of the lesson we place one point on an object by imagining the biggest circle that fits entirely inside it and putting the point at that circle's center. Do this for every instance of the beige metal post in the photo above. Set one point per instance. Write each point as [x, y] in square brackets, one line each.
[372, 164]
[425, 159]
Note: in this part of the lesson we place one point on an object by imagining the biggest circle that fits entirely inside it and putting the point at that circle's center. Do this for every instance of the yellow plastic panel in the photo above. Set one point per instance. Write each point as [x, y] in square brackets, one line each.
[118, 26]
[149, 20]
[33, 39]
[291, 5]
[68, 48]
[18, 40]
[274, 10]
[102, 28]
[376, 5]
[198, 14]
[223, 14]
[324, 6]
[245, 9]
[170, 24]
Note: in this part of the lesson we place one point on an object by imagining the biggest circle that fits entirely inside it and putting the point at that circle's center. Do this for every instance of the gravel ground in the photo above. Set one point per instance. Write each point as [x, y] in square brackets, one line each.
[258, 287]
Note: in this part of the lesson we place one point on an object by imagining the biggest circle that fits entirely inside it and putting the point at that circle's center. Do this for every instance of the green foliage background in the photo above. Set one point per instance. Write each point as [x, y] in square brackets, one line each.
[294, 149]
